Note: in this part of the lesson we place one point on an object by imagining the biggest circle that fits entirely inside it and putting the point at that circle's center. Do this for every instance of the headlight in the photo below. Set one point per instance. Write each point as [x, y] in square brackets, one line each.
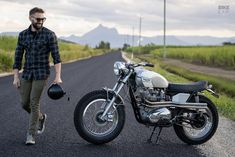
[119, 67]
[116, 72]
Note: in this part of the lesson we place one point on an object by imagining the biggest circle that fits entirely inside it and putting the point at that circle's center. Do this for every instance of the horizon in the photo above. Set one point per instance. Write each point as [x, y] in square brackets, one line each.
[136, 34]
[150, 36]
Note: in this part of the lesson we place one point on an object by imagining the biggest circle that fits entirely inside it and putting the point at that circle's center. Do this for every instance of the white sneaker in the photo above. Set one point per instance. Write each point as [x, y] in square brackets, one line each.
[30, 139]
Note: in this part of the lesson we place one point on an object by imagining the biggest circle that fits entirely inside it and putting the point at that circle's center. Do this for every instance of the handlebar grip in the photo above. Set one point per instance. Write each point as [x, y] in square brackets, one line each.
[149, 65]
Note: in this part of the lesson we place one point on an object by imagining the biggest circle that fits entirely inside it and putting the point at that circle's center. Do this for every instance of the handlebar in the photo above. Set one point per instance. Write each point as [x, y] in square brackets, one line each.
[133, 65]
[149, 65]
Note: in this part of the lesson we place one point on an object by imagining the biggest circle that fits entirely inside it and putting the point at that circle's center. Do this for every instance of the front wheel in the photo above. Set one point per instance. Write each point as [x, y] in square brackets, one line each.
[87, 118]
[202, 125]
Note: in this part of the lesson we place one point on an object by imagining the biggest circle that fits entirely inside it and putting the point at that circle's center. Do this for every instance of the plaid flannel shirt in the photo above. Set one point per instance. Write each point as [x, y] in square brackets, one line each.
[37, 49]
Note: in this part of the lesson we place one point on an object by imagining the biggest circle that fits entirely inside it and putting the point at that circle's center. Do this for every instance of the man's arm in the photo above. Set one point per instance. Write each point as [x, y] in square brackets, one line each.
[58, 73]
[56, 57]
[18, 61]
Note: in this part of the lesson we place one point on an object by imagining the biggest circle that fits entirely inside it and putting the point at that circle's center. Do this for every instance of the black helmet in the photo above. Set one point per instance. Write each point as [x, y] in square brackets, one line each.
[55, 92]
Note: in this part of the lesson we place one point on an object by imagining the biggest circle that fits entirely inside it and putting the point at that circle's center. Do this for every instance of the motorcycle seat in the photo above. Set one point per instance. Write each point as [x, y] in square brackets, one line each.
[187, 88]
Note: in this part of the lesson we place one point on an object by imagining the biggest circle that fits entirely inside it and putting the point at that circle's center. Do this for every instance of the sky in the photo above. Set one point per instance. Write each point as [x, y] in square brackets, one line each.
[183, 17]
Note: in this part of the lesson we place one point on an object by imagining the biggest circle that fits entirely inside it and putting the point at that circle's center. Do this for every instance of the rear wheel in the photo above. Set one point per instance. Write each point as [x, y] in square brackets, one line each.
[87, 118]
[201, 127]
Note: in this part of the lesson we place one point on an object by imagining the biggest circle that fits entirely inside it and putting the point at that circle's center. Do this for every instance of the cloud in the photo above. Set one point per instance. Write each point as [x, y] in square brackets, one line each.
[79, 16]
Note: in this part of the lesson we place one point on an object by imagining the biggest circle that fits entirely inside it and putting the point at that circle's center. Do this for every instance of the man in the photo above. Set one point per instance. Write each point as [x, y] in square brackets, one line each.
[36, 42]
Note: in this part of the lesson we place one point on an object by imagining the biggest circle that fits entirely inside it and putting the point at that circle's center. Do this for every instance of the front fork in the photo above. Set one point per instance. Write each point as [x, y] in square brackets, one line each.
[116, 89]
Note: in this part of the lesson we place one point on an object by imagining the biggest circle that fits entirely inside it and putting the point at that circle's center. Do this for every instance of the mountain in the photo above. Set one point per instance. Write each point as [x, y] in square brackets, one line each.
[111, 35]
[93, 37]
[204, 40]
[101, 31]
[9, 34]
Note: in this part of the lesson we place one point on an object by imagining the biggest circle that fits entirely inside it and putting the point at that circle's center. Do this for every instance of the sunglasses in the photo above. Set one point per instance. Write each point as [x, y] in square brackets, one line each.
[39, 19]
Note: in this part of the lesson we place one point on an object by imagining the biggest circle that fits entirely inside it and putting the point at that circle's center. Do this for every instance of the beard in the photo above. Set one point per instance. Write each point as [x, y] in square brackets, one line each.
[37, 26]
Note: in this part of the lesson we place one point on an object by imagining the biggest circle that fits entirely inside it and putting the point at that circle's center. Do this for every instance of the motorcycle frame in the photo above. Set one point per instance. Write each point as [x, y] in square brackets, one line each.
[123, 80]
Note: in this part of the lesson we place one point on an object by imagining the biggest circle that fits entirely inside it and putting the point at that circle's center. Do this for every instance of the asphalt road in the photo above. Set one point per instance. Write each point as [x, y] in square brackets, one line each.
[60, 137]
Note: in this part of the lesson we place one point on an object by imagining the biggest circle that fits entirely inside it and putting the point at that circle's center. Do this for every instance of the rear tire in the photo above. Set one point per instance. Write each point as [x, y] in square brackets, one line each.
[181, 133]
[80, 126]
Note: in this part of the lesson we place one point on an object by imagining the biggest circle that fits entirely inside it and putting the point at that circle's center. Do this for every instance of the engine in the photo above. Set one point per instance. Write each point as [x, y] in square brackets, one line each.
[151, 94]
[160, 116]
[150, 86]
[156, 115]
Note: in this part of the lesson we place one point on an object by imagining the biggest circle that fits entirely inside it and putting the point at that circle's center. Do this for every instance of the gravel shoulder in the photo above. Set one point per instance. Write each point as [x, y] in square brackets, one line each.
[230, 74]
[222, 143]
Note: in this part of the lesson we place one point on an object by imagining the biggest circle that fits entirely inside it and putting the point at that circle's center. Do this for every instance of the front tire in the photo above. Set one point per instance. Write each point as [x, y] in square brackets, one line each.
[87, 124]
[184, 134]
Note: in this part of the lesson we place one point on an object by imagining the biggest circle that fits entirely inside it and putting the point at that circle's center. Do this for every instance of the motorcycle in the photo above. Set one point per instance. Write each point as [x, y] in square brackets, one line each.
[99, 116]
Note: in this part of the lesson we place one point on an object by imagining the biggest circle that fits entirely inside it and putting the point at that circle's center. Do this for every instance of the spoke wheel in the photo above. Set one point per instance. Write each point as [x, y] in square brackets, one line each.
[92, 121]
[87, 119]
[197, 127]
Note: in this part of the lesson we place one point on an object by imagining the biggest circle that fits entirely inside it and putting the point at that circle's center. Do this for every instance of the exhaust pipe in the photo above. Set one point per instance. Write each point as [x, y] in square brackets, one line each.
[174, 104]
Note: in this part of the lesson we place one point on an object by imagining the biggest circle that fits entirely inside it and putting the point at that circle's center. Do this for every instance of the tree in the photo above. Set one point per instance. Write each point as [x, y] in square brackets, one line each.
[125, 46]
[228, 43]
[103, 45]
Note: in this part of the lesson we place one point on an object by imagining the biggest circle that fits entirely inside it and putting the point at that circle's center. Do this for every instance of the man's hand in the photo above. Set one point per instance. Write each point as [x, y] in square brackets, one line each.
[16, 82]
[57, 80]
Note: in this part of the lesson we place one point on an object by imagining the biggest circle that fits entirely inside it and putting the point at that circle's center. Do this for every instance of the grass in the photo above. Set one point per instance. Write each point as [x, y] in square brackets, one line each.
[143, 49]
[7, 46]
[219, 56]
[68, 51]
[6, 60]
[222, 85]
[8, 43]
[225, 104]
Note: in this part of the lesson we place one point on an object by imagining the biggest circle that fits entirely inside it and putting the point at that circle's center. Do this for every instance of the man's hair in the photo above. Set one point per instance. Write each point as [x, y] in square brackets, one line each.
[36, 10]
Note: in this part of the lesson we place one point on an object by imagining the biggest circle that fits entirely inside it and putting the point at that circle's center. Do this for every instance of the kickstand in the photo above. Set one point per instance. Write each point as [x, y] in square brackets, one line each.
[150, 138]
[160, 130]
[158, 135]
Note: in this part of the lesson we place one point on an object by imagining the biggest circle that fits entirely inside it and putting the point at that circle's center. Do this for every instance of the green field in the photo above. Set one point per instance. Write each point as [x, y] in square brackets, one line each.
[216, 56]
[68, 51]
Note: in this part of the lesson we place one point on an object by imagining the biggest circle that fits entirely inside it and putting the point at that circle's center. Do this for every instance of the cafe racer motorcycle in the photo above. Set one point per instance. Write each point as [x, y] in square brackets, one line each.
[99, 116]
